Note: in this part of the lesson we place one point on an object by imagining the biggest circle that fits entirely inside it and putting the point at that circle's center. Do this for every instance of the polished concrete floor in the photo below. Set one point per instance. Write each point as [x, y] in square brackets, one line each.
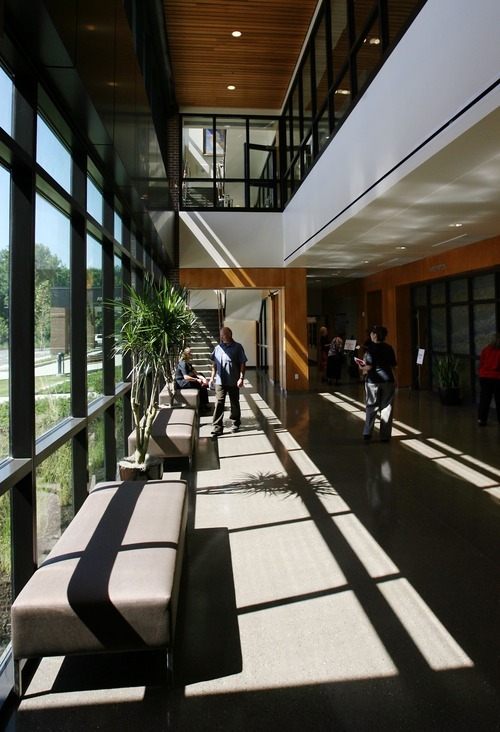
[330, 584]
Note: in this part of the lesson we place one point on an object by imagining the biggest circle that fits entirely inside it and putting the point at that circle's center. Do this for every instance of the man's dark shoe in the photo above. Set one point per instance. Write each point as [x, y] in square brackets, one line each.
[217, 431]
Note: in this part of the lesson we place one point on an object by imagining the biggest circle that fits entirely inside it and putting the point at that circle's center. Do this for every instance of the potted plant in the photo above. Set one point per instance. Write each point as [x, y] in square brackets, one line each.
[154, 327]
[448, 378]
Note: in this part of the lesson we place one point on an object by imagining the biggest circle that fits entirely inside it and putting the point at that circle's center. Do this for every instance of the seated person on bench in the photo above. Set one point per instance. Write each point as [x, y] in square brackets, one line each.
[186, 377]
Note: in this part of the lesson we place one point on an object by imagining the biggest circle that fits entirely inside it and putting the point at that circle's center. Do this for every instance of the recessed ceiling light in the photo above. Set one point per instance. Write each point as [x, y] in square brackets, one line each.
[345, 92]
[236, 34]
[455, 226]
[374, 41]
[231, 87]
[400, 247]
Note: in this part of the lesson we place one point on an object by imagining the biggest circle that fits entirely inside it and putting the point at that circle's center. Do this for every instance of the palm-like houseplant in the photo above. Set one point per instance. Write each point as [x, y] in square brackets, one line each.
[448, 378]
[154, 327]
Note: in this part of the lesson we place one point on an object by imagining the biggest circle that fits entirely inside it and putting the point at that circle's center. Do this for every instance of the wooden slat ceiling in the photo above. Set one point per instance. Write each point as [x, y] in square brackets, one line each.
[206, 58]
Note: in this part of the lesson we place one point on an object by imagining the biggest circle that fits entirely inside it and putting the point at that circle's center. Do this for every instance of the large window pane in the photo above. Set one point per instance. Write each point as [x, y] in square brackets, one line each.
[54, 505]
[5, 572]
[307, 95]
[121, 451]
[4, 311]
[96, 451]
[342, 99]
[6, 105]
[118, 228]
[296, 120]
[362, 10]
[95, 201]
[483, 287]
[438, 293]
[369, 55]
[52, 155]
[438, 330]
[458, 291]
[230, 147]
[323, 128]
[340, 37]
[321, 64]
[118, 295]
[459, 329]
[94, 318]
[263, 132]
[195, 136]
[52, 316]
[484, 325]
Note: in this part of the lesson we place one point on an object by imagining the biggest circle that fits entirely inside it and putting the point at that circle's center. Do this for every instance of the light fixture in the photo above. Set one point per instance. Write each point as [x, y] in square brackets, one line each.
[455, 226]
[344, 92]
[236, 34]
[374, 41]
[401, 247]
[231, 87]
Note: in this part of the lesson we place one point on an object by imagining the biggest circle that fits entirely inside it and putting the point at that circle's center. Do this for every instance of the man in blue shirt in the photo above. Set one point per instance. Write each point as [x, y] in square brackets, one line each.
[228, 371]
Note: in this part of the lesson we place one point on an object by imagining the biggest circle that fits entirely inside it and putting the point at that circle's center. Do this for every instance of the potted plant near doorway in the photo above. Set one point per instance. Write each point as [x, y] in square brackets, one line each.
[154, 326]
[448, 379]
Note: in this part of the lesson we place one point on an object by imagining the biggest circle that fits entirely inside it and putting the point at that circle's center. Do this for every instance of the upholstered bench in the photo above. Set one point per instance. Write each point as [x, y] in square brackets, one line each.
[111, 582]
[172, 434]
[187, 397]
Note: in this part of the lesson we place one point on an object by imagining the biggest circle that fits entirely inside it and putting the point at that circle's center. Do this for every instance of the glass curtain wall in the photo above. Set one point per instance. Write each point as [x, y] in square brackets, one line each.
[457, 316]
[56, 243]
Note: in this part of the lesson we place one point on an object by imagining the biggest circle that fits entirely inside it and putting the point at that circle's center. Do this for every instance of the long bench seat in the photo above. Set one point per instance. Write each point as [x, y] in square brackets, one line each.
[172, 435]
[111, 582]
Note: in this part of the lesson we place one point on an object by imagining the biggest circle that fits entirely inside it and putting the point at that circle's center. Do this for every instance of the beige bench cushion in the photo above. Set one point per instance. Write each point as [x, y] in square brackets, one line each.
[108, 583]
[172, 435]
[189, 397]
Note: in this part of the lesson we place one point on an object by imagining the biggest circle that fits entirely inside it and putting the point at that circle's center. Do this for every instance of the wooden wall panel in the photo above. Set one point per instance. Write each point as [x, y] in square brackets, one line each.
[297, 368]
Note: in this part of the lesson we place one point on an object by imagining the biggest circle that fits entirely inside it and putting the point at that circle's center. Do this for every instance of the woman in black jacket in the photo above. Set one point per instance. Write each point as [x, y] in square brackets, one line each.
[380, 384]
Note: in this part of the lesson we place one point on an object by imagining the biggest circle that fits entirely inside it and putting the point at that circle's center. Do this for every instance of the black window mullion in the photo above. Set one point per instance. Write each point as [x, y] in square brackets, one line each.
[22, 330]
[78, 324]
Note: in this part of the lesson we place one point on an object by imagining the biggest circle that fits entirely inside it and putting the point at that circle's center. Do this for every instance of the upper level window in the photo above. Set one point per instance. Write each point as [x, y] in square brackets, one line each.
[52, 155]
[118, 228]
[6, 105]
[94, 201]
[230, 162]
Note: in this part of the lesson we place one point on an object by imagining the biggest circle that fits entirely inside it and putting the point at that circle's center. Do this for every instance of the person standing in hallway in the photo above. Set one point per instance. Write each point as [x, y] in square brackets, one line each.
[380, 385]
[489, 380]
[324, 346]
[228, 371]
[335, 360]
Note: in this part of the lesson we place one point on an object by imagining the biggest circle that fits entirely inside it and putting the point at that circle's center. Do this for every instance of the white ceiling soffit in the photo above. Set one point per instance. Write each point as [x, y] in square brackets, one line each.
[459, 184]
